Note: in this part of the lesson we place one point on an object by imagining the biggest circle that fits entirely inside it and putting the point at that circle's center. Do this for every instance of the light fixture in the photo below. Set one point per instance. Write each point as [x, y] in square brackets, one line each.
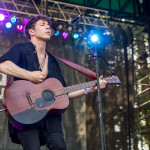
[20, 27]
[69, 28]
[94, 38]
[76, 36]
[60, 27]
[8, 25]
[65, 35]
[2, 17]
[57, 33]
[25, 21]
[13, 19]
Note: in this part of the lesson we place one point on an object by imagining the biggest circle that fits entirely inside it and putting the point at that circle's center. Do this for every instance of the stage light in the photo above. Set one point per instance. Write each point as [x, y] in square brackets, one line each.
[57, 33]
[69, 28]
[76, 36]
[13, 19]
[97, 15]
[106, 33]
[25, 21]
[60, 27]
[2, 17]
[94, 38]
[20, 27]
[123, 19]
[8, 25]
[79, 30]
[65, 35]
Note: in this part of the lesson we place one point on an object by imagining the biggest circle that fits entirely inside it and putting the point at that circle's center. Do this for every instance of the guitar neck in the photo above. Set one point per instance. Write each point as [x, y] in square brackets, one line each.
[69, 89]
[61, 91]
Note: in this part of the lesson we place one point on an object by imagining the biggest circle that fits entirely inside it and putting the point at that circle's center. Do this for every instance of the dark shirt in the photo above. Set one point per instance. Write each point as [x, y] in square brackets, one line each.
[24, 55]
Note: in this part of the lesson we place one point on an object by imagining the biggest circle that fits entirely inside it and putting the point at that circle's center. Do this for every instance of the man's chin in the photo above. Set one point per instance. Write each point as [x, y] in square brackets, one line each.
[46, 39]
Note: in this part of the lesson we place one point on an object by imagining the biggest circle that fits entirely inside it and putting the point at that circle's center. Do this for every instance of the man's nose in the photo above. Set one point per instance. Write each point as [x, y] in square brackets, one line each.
[47, 26]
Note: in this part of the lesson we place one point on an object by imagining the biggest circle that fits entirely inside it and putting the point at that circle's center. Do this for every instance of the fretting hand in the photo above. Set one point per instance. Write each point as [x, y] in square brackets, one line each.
[102, 83]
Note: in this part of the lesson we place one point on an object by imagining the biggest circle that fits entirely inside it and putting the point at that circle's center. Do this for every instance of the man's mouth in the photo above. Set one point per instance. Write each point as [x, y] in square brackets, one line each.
[48, 33]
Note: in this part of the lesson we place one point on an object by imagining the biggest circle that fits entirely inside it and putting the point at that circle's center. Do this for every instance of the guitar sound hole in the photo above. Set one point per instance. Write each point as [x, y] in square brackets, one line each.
[47, 95]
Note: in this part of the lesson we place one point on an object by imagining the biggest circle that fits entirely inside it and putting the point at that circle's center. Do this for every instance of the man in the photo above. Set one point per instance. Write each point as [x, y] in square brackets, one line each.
[30, 61]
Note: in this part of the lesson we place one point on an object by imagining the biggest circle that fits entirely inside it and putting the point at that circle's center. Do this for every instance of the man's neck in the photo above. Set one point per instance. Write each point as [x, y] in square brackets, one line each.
[40, 46]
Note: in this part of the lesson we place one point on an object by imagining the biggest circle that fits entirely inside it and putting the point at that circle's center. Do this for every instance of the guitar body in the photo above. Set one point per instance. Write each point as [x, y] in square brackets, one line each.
[29, 103]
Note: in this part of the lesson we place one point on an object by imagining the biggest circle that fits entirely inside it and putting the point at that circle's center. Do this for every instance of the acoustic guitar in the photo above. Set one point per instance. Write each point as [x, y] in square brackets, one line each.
[27, 103]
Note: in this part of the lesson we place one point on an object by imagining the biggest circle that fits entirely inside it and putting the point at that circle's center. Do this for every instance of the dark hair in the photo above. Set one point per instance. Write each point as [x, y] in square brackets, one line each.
[32, 21]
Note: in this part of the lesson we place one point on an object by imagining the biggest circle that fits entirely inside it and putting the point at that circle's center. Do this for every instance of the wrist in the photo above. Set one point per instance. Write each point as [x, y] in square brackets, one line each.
[27, 75]
[85, 91]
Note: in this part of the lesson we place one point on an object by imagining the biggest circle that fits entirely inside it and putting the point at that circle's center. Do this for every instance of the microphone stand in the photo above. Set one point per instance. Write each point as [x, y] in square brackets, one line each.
[99, 101]
[99, 98]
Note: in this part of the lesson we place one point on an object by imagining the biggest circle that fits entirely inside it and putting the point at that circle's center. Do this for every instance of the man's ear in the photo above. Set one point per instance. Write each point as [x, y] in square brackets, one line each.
[31, 32]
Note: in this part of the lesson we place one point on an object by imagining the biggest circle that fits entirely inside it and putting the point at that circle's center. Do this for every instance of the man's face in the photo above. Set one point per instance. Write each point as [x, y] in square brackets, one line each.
[41, 30]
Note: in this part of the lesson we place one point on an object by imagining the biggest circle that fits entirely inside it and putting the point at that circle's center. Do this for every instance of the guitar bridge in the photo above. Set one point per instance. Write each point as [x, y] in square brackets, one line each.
[30, 100]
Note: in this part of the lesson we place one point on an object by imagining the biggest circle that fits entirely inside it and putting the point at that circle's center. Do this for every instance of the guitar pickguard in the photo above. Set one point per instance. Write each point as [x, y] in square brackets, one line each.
[46, 100]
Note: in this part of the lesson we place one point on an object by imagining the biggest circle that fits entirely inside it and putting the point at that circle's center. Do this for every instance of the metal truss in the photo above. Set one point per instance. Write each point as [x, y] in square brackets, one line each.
[142, 84]
[145, 85]
[58, 11]
[143, 66]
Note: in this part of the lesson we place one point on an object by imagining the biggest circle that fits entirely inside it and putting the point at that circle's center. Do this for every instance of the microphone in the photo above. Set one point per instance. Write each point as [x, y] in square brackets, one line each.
[75, 19]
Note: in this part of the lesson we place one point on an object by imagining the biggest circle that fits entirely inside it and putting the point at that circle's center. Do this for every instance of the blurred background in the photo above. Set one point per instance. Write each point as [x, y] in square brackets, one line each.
[120, 29]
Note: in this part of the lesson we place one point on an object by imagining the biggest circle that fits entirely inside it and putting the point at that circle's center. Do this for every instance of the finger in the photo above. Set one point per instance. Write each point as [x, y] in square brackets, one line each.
[39, 81]
[43, 76]
[34, 82]
[42, 73]
[101, 77]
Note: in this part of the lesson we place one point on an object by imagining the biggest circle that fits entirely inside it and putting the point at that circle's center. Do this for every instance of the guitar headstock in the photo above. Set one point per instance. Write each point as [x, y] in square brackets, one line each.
[113, 80]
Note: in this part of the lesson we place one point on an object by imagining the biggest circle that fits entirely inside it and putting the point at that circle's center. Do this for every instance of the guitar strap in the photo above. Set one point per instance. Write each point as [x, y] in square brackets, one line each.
[90, 74]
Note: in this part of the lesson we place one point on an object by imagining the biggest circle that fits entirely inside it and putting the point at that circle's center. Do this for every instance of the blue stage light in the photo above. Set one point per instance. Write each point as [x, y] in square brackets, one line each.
[13, 19]
[57, 33]
[94, 38]
[76, 36]
[8, 25]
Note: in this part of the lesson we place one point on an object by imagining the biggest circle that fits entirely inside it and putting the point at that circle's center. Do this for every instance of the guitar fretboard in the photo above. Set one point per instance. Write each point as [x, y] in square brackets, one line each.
[69, 89]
